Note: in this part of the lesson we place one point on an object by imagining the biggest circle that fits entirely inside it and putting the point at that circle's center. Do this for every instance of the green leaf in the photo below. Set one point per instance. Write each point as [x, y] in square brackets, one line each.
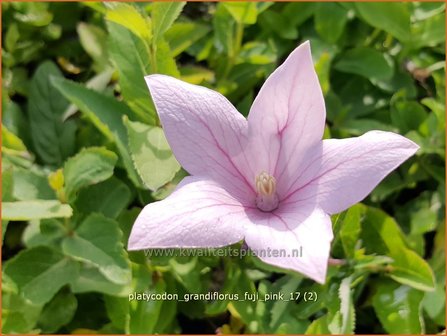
[108, 198]
[366, 62]
[131, 57]
[19, 316]
[422, 11]
[31, 185]
[97, 241]
[90, 279]
[318, 327]
[152, 155]
[347, 309]
[278, 23]
[407, 115]
[330, 21]
[139, 323]
[118, 311]
[7, 188]
[35, 209]
[58, 312]
[434, 302]
[93, 40]
[7, 185]
[410, 269]
[298, 12]
[163, 16]
[89, 166]
[382, 235]
[97, 83]
[105, 113]
[46, 232]
[242, 12]
[182, 35]
[53, 139]
[34, 269]
[127, 15]
[399, 308]
[341, 315]
[257, 53]
[187, 272]
[35, 14]
[394, 18]
[429, 32]
[281, 309]
[165, 61]
[196, 75]
[12, 141]
[224, 25]
[350, 229]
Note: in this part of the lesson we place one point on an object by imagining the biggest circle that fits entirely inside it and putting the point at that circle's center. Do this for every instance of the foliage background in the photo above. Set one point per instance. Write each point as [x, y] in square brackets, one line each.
[82, 153]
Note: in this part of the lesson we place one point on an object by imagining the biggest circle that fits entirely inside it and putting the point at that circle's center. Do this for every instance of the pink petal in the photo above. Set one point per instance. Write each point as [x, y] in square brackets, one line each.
[347, 170]
[206, 133]
[287, 117]
[289, 229]
[198, 213]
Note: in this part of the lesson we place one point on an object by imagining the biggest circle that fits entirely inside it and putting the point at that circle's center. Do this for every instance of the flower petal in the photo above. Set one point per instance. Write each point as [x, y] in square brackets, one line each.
[198, 213]
[278, 237]
[347, 170]
[287, 117]
[206, 133]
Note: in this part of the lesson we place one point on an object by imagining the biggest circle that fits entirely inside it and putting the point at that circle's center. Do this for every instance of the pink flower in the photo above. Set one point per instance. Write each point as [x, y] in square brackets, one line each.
[269, 179]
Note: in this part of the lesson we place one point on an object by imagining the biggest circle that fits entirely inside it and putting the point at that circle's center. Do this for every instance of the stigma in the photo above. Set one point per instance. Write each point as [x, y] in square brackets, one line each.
[266, 198]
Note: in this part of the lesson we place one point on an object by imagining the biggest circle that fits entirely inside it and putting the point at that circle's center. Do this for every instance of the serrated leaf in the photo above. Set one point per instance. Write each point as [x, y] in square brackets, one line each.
[53, 138]
[132, 58]
[347, 309]
[163, 16]
[90, 166]
[242, 12]
[34, 269]
[127, 15]
[35, 209]
[97, 241]
[105, 113]
[152, 155]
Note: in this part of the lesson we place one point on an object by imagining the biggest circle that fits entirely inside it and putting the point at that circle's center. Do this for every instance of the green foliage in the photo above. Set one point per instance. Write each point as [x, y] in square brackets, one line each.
[53, 139]
[83, 151]
[151, 154]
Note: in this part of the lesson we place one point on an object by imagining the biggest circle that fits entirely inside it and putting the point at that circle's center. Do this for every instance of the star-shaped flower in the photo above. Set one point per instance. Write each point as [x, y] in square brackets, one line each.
[269, 179]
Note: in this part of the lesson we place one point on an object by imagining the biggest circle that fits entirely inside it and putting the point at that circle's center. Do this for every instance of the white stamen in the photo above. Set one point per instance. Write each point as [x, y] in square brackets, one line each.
[266, 199]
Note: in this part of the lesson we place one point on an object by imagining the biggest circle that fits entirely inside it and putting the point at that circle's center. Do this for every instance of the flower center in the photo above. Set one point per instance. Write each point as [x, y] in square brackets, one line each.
[266, 198]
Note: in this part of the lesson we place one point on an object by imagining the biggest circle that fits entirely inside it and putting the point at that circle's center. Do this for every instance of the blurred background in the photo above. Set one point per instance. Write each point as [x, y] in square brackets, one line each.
[81, 145]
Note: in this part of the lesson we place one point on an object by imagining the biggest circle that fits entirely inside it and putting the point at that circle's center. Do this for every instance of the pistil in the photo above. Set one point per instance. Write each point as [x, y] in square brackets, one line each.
[266, 198]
